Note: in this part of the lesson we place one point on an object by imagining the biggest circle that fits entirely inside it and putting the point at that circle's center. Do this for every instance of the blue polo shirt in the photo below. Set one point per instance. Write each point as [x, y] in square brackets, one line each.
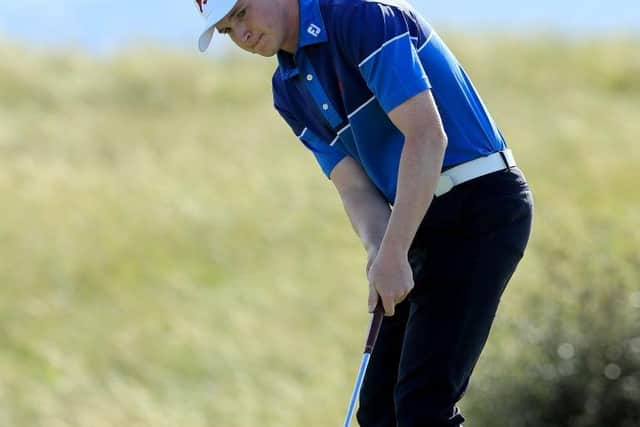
[356, 61]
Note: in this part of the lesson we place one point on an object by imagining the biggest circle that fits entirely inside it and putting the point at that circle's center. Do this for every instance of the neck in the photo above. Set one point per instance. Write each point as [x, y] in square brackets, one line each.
[293, 23]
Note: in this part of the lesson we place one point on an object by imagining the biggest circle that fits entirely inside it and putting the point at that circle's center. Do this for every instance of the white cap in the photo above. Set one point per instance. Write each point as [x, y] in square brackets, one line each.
[212, 11]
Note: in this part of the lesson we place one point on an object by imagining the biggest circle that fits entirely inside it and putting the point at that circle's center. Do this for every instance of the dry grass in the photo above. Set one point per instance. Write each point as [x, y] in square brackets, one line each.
[171, 256]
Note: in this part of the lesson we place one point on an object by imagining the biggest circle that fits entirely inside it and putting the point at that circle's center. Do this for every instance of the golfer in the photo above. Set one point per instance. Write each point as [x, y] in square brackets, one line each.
[424, 174]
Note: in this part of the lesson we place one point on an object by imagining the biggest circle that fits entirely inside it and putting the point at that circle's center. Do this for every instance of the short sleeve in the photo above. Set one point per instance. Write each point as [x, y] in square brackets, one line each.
[383, 51]
[327, 155]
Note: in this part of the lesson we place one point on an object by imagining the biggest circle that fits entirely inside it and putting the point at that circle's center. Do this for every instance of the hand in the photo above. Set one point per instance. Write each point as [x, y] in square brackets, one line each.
[390, 276]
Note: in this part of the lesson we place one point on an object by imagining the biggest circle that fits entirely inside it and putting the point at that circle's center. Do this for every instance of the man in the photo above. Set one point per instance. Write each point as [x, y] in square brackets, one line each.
[424, 175]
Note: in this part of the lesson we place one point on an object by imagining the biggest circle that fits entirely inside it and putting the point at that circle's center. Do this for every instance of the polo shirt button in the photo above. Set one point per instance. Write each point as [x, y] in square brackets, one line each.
[325, 107]
[309, 77]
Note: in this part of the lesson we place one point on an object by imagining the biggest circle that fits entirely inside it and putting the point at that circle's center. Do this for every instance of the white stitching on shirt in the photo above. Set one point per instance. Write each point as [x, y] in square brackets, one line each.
[426, 42]
[341, 131]
[361, 107]
[375, 52]
[302, 133]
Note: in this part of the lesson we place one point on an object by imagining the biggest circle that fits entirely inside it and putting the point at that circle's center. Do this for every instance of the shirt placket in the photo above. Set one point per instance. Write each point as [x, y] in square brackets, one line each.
[318, 94]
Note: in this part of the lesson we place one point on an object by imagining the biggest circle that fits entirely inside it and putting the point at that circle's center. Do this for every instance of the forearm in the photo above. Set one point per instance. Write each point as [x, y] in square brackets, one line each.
[419, 171]
[369, 214]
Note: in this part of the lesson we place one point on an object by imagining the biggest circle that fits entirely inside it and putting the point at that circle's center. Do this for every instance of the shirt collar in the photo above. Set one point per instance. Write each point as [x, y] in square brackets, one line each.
[311, 31]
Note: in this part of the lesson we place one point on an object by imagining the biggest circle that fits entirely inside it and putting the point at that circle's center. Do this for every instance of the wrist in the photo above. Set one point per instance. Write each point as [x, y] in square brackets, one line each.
[390, 246]
[373, 243]
[396, 238]
[372, 250]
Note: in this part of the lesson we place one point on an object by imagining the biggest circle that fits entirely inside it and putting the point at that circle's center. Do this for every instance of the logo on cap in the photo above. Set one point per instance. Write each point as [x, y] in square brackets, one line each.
[201, 4]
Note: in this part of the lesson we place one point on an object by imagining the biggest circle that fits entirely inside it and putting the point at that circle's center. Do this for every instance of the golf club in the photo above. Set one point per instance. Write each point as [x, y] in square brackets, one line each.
[374, 328]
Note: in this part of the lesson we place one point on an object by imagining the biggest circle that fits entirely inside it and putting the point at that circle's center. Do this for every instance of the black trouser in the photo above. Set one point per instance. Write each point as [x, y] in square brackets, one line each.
[463, 255]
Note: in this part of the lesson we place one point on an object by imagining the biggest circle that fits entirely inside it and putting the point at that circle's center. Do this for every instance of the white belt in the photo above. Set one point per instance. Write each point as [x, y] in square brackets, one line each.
[473, 169]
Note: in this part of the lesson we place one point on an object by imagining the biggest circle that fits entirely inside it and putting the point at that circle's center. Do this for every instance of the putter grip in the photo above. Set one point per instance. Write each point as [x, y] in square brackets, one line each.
[374, 329]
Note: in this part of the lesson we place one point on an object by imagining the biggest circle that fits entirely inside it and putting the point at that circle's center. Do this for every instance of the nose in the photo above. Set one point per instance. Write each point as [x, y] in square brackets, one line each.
[243, 36]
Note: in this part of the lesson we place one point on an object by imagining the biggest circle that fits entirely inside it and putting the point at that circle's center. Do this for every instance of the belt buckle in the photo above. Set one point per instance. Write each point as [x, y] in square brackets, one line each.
[445, 184]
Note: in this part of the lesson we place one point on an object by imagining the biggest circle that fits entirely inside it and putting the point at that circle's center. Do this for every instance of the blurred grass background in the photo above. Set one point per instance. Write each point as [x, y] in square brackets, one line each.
[172, 256]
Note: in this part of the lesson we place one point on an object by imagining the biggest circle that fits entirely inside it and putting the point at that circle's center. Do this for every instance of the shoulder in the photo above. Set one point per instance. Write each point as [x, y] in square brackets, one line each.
[346, 19]
[343, 11]
[339, 13]
[359, 27]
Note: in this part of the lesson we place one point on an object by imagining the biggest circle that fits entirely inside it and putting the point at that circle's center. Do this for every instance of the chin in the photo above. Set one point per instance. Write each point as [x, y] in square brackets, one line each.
[267, 54]
[267, 51]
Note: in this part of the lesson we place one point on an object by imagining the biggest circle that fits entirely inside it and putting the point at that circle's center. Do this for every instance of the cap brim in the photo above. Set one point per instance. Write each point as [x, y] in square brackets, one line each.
[205, 38]
[215, 12]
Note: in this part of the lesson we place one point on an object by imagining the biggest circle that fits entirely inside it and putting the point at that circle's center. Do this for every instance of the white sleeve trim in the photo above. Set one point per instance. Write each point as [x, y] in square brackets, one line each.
[426, 42]
[375, 52]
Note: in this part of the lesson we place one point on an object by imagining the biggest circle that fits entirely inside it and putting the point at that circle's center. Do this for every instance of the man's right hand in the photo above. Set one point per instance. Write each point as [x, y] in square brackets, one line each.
[390, 276]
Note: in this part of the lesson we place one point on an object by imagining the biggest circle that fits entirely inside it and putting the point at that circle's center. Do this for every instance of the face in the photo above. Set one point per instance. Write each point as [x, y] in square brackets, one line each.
[260, 26]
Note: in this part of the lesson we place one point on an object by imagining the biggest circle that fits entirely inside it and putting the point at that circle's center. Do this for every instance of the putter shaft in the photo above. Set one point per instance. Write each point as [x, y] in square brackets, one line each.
[372, 336]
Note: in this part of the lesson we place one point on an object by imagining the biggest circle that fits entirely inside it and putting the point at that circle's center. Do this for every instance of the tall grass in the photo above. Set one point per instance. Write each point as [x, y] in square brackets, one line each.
[172, 256]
